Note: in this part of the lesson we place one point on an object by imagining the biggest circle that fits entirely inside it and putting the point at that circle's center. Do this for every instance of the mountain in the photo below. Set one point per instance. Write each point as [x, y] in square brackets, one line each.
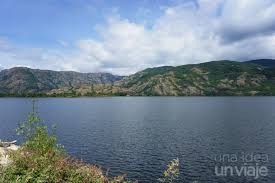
[216, 78]
[22, 80]
[211, 78]
[263, 62]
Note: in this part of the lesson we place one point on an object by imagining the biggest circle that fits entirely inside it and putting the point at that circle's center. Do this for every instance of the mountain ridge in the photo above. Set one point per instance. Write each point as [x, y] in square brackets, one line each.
[263, 62]
[20, 80]
[214, 78]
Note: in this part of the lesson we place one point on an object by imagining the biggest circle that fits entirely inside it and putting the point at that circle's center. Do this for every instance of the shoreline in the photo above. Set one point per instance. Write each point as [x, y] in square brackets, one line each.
[4, 157]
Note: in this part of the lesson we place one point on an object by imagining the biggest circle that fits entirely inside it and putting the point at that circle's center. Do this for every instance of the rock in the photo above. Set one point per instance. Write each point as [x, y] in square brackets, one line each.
[4, 157]
[7, 144]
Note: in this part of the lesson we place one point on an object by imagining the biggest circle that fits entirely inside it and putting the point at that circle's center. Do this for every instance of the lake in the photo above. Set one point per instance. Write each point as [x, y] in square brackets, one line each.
[140, 135]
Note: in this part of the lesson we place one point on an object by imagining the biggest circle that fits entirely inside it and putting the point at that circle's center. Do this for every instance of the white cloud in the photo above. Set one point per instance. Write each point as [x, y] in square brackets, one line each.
[4, 44]
[247, 18]
[63, 43]
[185, 33]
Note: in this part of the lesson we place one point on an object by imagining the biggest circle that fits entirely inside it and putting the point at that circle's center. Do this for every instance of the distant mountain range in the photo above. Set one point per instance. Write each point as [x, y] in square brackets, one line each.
[22, 80]
[216, 78]
[263, 62]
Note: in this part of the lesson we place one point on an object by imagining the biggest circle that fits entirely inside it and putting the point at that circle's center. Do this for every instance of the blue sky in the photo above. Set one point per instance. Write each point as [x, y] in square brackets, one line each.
[42, 22]
[123, 36]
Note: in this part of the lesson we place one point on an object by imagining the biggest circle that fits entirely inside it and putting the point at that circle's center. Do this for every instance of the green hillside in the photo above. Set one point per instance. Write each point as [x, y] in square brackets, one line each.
[216, 78]
[211, 78]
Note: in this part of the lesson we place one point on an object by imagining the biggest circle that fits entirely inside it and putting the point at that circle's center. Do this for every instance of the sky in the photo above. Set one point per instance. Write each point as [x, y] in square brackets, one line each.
[126, 36]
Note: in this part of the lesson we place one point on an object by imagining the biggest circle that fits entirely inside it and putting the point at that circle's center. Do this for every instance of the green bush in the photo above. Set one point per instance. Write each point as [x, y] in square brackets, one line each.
[171, 174]
[37, 137]
[41, 160]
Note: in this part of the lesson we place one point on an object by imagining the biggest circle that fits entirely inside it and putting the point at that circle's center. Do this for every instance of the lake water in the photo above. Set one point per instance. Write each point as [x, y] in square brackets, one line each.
[140, 135]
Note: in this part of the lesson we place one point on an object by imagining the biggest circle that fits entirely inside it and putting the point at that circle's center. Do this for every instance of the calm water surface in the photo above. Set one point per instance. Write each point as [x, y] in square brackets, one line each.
[140, 135]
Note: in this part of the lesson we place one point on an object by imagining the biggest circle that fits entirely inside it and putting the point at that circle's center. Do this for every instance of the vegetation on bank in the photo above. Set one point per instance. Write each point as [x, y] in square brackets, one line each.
[41, 159]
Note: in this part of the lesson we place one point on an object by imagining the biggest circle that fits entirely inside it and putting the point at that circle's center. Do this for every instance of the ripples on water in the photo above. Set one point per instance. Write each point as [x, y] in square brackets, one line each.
[140, 135]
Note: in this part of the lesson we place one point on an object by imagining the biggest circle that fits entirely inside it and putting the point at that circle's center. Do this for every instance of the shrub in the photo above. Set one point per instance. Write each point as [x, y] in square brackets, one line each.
[41, 160]
[172, 173]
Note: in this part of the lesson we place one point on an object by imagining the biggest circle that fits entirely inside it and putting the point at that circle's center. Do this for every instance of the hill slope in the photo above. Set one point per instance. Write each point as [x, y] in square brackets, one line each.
[263, 62]
[21, 80]
[217, 78]
[212, 78]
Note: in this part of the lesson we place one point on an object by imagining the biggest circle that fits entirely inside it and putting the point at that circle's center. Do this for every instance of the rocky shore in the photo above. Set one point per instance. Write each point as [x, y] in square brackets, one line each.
[5, 148]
